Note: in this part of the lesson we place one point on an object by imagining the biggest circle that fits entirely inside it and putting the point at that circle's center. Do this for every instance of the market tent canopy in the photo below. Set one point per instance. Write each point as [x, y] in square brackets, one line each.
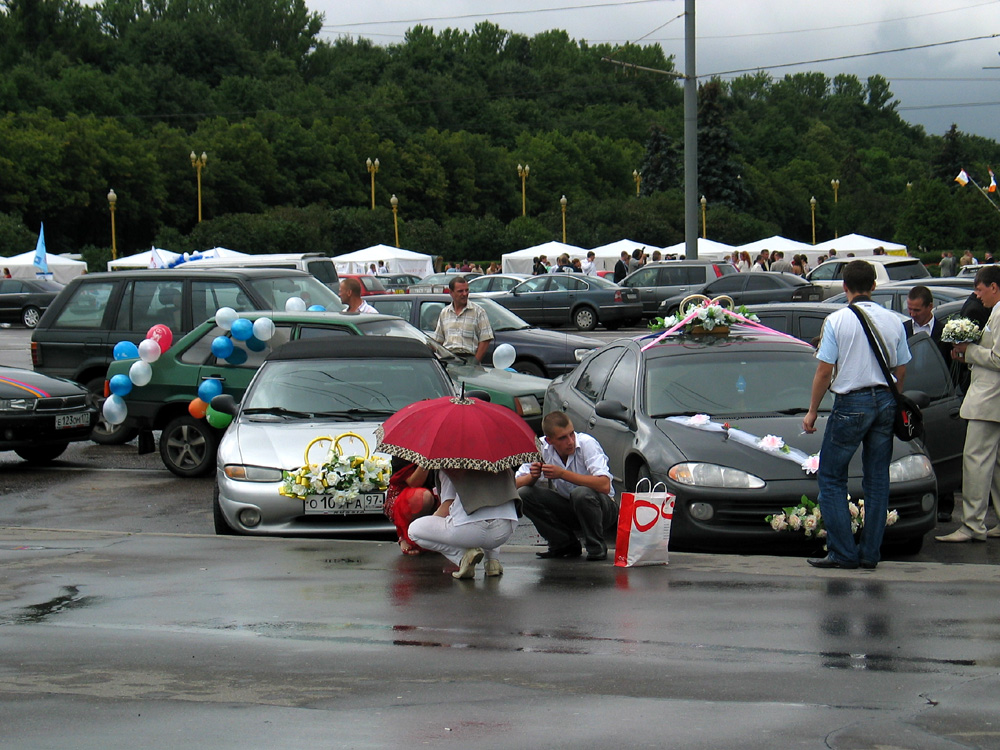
[519, 261]
[775, 242]
[397, 259]
[153, 258]
[61, 269]
[606, 256]
[707, 249]
[859, 245]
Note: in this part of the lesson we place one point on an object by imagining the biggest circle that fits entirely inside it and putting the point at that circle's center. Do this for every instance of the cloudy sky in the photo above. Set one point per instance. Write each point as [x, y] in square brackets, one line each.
[936, 85]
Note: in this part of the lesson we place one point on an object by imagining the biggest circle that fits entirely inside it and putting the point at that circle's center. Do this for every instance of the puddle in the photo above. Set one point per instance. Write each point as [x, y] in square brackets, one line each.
[36, 613]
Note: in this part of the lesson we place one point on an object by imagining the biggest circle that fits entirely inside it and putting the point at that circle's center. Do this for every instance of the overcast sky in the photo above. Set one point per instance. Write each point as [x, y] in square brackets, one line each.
[935, 86]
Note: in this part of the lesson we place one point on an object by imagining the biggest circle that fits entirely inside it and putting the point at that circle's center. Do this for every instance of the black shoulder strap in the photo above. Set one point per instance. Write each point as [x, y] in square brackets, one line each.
[876, 349]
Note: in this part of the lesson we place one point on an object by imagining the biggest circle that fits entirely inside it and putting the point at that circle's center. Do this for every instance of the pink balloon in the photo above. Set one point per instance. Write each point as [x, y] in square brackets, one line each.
[161, 335]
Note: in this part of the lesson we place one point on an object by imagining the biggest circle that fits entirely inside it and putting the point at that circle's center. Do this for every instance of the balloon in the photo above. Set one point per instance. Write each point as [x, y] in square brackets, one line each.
[254, 344]
[294, 304]
[125, 350]
[217, 418]
[120, 385]
[222, 346]
[237, 356]
[149, 351]
[161, 335]
[197, 408]
[114, 409]
[209, 389]
[503, 356]
[140, 373]
[316, 308]
[263, 329]
[225, 316]
[241, 329]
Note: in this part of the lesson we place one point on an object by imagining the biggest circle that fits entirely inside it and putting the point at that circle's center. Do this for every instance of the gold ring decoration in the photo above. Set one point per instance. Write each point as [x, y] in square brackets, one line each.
[338, 476]
[700, 298]
[354, 436]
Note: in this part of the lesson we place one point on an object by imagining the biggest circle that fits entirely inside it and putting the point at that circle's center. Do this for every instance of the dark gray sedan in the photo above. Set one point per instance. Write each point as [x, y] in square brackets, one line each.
[24, 300]
[753, 288]
[554, 299]
[893, 296]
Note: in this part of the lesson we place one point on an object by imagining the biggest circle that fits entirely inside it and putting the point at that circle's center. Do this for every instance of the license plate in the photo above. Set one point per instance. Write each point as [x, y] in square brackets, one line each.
[370, 502]
[66, 421]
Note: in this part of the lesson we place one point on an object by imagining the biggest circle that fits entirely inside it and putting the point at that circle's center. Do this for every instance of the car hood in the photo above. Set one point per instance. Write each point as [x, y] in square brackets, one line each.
[476, 376]
[18, 383]
[548, 338]
[283, 444]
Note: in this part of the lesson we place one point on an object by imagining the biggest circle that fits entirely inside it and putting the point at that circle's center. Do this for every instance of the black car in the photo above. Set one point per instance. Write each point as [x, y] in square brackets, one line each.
[670, 412]
[555, 299]
[753, 288]
[539, 352]
[41, 415]
[803, 320]
[893, 296]
[24, 300]
[398, 282]
[656, 281]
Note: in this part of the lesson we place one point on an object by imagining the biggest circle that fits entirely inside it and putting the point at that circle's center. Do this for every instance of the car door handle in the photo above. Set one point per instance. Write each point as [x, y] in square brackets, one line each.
[592, 422]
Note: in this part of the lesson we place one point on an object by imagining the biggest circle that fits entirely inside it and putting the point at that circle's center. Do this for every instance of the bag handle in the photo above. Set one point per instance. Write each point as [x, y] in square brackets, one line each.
[652, 487]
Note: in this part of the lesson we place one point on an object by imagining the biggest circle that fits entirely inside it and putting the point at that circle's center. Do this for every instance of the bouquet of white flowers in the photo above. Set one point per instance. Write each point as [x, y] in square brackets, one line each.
[961, 331]
[342, 477]
[807, 518]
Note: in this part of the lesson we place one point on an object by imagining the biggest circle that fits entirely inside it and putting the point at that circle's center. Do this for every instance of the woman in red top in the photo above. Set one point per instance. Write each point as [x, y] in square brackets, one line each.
[410, 496]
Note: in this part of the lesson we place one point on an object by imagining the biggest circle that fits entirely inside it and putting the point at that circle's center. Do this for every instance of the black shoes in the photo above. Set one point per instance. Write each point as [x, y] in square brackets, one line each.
[595, 556]
[867, 564]
[830, 562]
[552, 553]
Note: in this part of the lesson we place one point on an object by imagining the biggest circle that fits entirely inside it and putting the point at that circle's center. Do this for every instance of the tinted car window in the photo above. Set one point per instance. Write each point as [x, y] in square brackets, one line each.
[372, 284]
[810, 326]
[907, 270]
[323, 270]
[537, 284]
[85, 309]
[595, 373]
[621, 385]
[727, 284]
[886, 299]
[825, 272]
[200, 352]
[777, 321]
[647, 277]
[429, 314]
[389, 306]
[11, 286]
[208, 296]
[310, 290]
[758, 281]
[926, 371]
[148, 303]
[316, 332]
[565, 281]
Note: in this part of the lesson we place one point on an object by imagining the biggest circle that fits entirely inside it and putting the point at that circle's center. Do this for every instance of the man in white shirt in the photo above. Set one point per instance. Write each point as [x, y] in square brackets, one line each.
[568, 491]
[350, 295]
[589, 266]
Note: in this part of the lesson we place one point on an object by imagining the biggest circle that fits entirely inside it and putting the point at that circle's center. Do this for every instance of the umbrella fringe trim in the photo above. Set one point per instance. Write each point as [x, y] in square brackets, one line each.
[475, 464]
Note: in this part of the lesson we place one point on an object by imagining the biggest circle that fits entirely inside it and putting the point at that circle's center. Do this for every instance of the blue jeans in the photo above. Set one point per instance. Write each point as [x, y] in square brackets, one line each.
[864, 418]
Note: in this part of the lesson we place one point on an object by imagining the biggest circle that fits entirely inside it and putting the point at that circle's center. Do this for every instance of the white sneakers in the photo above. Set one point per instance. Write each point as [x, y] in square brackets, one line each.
[467, 568]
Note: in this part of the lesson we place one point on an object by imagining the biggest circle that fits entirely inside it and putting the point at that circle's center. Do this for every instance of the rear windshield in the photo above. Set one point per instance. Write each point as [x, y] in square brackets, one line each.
[911, 269]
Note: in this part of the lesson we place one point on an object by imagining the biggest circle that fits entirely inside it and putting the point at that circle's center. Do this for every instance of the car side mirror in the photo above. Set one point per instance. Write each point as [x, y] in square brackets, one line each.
[610, 409]
[226, 404]
[481, 395]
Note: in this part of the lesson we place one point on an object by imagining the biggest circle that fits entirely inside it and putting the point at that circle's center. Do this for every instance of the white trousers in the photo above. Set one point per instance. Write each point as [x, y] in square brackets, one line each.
[980, 475]
[441, 535]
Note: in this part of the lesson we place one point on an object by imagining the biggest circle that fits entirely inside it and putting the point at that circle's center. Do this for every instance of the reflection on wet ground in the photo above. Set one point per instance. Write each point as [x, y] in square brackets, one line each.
[35, 613]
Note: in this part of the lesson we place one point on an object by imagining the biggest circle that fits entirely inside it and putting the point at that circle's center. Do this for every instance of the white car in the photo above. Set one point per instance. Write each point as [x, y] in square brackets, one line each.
[830, 275]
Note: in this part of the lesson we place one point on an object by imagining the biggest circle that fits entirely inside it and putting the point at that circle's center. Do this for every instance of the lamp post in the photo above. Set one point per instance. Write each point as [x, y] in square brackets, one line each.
[835, 184]
[522, 172]
[704, 204]
[638, 181]
[395, 217]
[112, 200]
[562, 202]
[812, 205]
[199, 162]
[372, 169]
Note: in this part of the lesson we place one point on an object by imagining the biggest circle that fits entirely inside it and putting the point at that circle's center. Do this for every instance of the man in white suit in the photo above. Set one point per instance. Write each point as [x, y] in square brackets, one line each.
[981, 407]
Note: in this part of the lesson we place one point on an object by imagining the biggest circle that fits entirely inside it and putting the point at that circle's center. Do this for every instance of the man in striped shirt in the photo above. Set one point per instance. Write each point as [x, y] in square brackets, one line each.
[462, 326]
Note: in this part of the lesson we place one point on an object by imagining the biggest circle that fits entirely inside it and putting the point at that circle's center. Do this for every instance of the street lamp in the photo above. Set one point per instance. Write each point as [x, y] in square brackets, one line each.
[522, 172]
[704, 203]
[372, 169]
[835, 184]
[199, 162]
[395, 218]
[812, 205]
[112, 200]
[562, 202]
[638, 181]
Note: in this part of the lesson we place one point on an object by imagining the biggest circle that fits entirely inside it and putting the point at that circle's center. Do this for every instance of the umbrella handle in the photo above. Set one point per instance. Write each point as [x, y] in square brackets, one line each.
[356, 436]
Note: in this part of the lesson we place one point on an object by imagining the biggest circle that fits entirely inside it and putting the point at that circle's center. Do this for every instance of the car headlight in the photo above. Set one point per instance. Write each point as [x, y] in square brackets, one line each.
[910, 468]
[17, 404]
[713, 475]
[242, 473]
[527, 406]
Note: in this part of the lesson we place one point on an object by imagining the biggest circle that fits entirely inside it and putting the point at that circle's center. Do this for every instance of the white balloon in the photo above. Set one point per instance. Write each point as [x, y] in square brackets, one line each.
[294, 304]
[224, 318]
[504, 356]
[140, 373]
[149, 350]
[263, 329]
[114, 409]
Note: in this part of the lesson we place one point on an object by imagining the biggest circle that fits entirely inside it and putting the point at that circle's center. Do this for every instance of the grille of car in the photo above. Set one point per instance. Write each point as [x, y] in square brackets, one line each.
[61, 403]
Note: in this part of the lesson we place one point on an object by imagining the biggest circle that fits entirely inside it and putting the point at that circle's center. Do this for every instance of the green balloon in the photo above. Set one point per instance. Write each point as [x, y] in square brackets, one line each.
[217, 418]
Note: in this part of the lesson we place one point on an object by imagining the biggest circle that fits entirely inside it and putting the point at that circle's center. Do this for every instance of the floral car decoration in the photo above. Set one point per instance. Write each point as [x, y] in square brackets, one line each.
[708, 316]
[340, 477]
[806, 517]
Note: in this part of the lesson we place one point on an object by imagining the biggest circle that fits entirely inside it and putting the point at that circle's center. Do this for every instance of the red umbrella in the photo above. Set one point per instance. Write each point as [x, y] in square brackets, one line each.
[459, 433]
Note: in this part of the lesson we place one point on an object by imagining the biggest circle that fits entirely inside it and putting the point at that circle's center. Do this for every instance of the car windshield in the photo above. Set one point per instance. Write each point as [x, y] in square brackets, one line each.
[404, 330]
[501, 319]
[728, 382]
[347, 389]
[277, 291]
[906, 270]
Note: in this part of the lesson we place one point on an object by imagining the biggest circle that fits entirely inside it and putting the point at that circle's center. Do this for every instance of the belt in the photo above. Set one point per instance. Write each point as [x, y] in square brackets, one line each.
[867, 389]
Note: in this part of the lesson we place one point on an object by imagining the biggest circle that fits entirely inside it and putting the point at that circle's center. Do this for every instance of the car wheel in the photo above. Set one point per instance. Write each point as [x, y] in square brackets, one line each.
[187, 447]
[30, 316]
[530, 368]
[222, 527]
[41, 454]
[585, 318]
[105, 433]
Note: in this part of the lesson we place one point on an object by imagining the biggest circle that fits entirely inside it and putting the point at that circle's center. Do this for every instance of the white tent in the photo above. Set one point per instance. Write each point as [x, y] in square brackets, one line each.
[707, 249]
[153, 258]
[606, 256]
[519, 261]
[776, 242]
[397, 259]
[60, 269]
[859, 245]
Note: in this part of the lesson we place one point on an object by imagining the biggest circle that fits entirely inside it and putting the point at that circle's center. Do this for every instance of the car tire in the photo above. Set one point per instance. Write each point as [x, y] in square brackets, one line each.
[222, 527]
[41, 454]
[105, 433]
[585, 318]
[30, 316]
[530, 368]
[187, 447]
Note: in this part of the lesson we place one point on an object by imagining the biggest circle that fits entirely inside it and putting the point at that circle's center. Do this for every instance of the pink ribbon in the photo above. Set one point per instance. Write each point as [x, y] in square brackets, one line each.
[736, 315]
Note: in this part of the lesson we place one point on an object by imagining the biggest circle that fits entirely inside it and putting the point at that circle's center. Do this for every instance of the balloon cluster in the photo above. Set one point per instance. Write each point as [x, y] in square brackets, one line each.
[158, 340]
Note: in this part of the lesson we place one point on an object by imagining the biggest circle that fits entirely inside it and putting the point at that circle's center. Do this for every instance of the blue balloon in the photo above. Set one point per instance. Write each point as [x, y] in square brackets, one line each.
[125, 350]
[316, 308]
[209, 389]
[120, 385]
[222, 346]
[238, 356]
[254, 344]
[242, 329]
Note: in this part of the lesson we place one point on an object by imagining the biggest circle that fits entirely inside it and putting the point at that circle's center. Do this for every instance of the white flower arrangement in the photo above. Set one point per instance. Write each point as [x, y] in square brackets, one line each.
[707, 316]
[340, 477]
[806, 517]
[961, 331]
[772, 443]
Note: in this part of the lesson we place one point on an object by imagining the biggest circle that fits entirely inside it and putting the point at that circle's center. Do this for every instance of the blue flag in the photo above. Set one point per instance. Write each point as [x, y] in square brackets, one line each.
[40, 261]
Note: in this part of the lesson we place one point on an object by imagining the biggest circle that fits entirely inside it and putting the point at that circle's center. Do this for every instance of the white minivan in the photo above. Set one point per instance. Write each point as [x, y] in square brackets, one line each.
[317, 264]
